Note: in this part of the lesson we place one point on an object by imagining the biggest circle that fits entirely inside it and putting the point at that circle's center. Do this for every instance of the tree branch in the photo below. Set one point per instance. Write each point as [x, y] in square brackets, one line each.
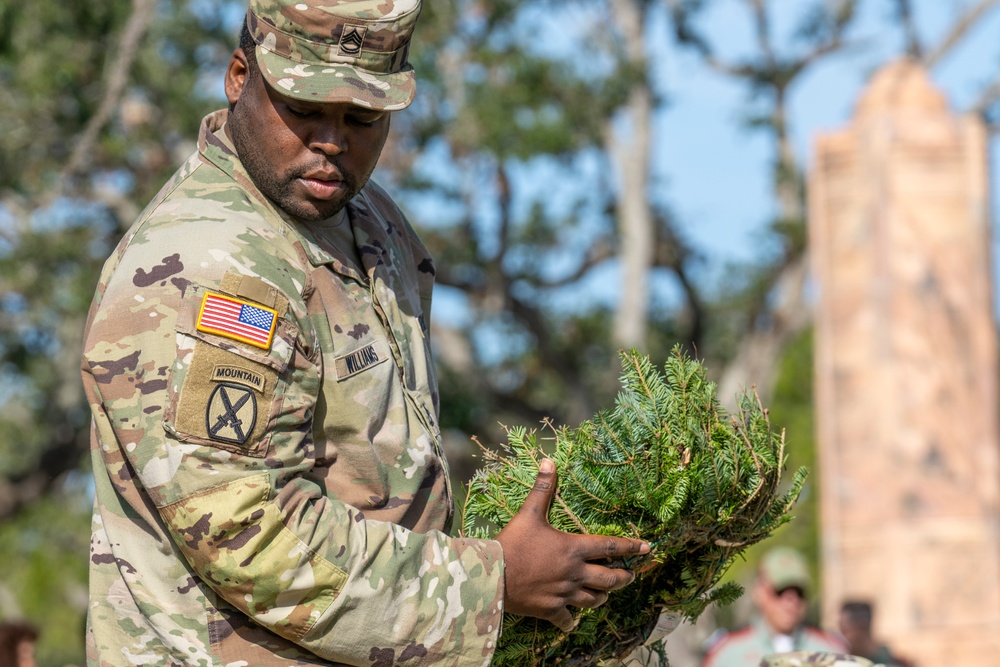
[61, 457]
[779, 312]
[684, 31]
[674, 254]
[959, 30]
[904, 12]
[598, 253]
[128, 48]
[504, 199]
[762, 27]
[989, 97]
[771, 69]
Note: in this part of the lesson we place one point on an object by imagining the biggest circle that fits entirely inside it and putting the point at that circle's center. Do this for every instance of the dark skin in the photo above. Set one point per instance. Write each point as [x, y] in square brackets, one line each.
[858, 636]
[311, 160]
[547, 571]
[784, 611]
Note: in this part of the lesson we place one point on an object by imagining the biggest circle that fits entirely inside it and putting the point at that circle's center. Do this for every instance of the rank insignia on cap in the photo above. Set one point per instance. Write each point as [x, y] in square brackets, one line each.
[231, 413]
[352, 39]
[237, 319]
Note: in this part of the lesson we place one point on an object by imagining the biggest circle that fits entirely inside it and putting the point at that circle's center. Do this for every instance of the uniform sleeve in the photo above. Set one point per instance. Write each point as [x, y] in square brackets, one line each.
[216, 432]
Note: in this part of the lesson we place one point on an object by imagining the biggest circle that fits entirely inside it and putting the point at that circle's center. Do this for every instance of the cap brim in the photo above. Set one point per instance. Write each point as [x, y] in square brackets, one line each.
[780, 583]
[338, 83]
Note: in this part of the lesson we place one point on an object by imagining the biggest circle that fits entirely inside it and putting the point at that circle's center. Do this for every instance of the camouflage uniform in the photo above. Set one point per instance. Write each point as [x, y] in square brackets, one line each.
[814, 659]
[749, 645]
[303, 68]
[273, 494]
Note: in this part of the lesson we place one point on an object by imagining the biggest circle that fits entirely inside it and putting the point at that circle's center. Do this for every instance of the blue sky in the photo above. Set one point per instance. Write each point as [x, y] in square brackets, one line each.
[716, 173]
[712, 172]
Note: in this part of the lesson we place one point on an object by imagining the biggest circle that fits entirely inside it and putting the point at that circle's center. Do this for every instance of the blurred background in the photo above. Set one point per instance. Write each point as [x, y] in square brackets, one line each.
[589, 174]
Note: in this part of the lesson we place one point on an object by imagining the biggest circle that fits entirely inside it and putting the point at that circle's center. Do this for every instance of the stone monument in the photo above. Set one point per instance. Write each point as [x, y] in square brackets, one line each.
[906, 372]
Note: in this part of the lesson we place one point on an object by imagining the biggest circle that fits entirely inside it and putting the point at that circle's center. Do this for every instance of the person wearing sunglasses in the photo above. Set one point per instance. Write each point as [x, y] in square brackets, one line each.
[780, 593]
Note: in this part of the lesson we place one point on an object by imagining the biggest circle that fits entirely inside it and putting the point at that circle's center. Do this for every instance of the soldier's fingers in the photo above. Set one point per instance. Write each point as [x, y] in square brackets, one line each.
[563, 620]
[588, 598]
[600, 546]
[601, 578]
[621, 546]
[539, 498]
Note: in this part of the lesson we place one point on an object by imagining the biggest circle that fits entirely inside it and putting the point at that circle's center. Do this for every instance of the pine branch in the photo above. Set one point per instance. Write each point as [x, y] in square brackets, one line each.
[666, 464]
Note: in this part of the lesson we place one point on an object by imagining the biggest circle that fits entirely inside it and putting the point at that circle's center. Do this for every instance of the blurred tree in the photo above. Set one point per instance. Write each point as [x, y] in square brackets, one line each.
[99, 101]
[81, 153]
[774, 309]
[534, 126]
[44, 551]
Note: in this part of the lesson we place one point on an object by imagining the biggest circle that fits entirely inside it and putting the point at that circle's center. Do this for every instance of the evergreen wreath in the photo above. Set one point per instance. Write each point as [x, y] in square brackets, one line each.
[666, 465]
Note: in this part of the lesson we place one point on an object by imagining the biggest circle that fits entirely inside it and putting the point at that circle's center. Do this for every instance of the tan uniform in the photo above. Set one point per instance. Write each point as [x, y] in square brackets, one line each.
[749, 645]
[270, 481]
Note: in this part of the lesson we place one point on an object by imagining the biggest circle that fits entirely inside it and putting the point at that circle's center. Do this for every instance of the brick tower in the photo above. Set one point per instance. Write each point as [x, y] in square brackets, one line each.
[906, 372]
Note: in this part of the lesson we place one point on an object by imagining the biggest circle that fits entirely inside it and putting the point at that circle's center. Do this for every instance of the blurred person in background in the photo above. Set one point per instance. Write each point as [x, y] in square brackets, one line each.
[17, 644]
[780, 593]
[856, 626]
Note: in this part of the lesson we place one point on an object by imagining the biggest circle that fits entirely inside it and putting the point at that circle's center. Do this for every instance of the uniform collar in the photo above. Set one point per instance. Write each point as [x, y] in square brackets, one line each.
[371, 230]
[770, 634]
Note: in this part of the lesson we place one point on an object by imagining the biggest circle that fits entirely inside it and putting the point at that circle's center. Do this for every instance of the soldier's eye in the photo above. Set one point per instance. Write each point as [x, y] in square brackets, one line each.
[299, 113]
[362, 121]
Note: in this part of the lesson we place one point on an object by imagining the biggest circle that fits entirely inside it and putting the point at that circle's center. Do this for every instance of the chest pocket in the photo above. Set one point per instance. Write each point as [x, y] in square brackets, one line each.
[225, 392]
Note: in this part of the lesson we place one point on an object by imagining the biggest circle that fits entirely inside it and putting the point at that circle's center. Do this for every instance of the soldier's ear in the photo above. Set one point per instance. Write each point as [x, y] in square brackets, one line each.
[237, 76]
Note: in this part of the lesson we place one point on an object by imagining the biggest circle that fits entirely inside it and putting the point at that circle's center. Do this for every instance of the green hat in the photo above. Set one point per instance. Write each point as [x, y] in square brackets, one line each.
[785, 567]
[351, 51]
[814, 659]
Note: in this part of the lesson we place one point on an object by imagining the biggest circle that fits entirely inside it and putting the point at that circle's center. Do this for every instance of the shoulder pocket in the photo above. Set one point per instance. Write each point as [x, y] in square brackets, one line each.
[226, 393]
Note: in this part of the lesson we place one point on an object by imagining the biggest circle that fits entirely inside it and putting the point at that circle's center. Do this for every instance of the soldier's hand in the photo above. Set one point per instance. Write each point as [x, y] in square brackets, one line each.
[548, 571]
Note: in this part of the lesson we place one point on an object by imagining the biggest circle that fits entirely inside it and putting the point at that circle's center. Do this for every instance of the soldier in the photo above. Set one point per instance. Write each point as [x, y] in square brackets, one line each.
[779, 592]
[270, 483]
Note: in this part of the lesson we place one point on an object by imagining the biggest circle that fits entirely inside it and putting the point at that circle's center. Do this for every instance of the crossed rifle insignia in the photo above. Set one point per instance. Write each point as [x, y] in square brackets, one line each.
[222, 413]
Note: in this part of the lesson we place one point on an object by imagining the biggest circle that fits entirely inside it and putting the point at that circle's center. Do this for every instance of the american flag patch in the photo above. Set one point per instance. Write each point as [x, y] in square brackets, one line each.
[233, 318]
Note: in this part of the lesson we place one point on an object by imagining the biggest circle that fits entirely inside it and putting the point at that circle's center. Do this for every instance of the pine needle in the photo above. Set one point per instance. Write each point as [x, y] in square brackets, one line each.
[665, 464]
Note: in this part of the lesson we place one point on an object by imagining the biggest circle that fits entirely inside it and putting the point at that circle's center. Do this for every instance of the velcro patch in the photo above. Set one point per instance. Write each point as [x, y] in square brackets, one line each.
[360, 360]
[237, 375]
[231, 413]
[352, 39]
[237, 319]
[202, 412]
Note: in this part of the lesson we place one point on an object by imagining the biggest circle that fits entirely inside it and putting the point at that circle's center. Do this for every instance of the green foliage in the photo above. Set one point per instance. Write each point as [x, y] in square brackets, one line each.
[44, 552]
[791, 405]
[47, 286]
[667, 465]
[55, 232]
[51, 62]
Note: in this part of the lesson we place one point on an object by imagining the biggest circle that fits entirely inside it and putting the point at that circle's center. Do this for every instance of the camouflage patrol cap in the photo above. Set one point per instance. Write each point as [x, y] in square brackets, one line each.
[351, 51]
[815, 659]
[786, 567]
